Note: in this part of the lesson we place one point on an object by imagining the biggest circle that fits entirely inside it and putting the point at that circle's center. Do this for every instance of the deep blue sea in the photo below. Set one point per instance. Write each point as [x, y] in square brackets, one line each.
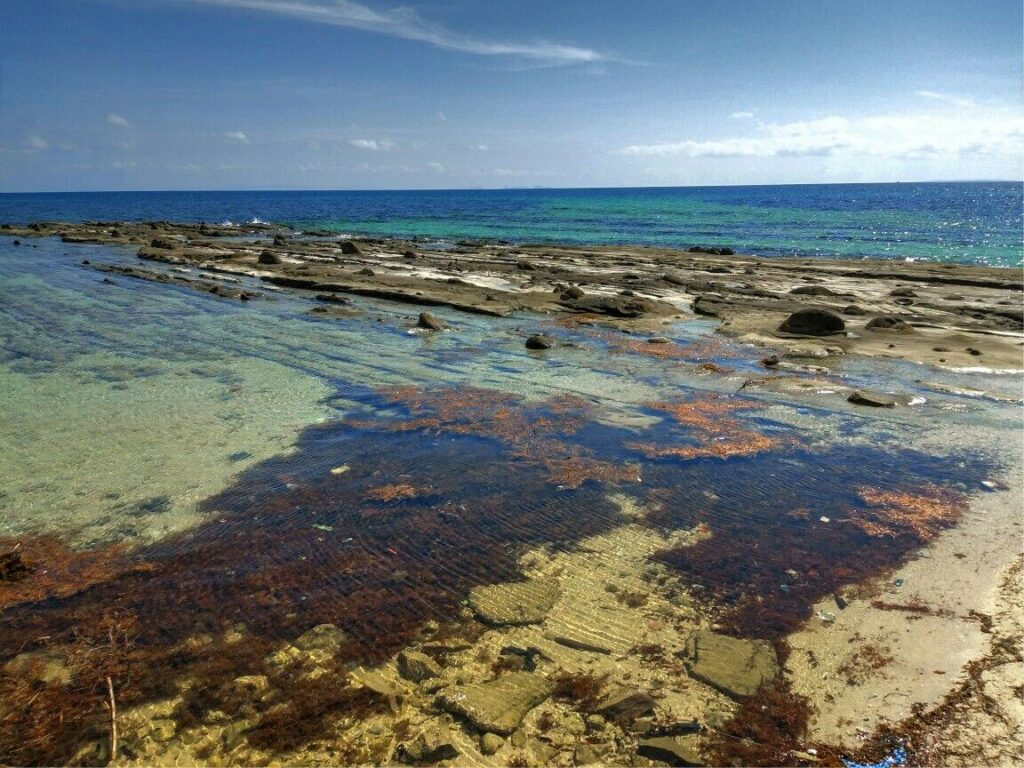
[968, 222]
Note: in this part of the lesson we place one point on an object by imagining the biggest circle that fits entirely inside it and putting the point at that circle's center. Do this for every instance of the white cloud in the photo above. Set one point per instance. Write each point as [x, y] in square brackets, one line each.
[483, 147]
[238, 136]
[441, 116]
[436, 167]
[115, 119]
[407, 24]
[373, 145]
[956, 101]
[38, 142]
[991, 132]
[741, 115]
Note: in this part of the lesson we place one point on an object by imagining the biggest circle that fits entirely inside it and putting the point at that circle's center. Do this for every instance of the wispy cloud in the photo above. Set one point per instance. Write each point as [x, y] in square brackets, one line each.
[741, 115]
[115, 119]
[407, 24]
[37, 143]
[238, 136]
[436, 167]
[956, 101]
[372, 145]
[995, 132]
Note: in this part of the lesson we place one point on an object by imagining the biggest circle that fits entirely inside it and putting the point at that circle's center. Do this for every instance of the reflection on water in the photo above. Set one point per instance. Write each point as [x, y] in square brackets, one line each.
[268, 472]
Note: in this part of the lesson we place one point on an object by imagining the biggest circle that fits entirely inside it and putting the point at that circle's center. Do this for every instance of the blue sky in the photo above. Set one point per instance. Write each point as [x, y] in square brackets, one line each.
[339, 94]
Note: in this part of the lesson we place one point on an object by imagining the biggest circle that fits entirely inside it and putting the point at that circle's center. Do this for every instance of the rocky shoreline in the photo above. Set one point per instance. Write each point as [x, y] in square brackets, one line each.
[949, 315]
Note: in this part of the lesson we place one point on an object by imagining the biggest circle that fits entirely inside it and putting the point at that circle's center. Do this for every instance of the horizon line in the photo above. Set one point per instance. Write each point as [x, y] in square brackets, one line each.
[507, 189]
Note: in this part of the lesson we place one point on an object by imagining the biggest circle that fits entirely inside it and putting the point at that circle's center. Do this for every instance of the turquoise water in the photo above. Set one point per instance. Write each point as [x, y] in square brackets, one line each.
[975, 223]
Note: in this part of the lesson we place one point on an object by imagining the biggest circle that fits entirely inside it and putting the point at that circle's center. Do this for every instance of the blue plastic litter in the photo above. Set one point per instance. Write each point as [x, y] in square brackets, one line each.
[898, 757]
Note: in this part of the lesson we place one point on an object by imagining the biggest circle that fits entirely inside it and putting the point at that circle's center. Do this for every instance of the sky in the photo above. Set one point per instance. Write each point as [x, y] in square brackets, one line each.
[374, 94]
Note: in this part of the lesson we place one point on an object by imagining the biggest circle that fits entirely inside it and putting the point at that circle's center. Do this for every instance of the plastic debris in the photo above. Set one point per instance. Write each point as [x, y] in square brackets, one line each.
[824, 519]
[825, 616]
[897, 757]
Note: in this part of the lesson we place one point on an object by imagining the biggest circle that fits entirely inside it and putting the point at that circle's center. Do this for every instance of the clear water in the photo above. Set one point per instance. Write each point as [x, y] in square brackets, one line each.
[974, 223]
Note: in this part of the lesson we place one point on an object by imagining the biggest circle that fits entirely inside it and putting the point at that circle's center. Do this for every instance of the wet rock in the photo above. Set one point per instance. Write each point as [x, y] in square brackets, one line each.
[903, 293]
[573, 292]
[323, 637]
[525, 265]
[659, 340]
[350, 248]
[624, 705]
[280, 240]
[167, 245]
[39, 666]
[333, 298]
[250, 688]
[491, 743]
[871, 399]
[889, 324]
[853, 309]
[380, 685]
[540, 341]
[515, 603]
[430, 322]
[162, 729]
[615, 306]
[410, 255]
[735, 667]
[417, 666]
[813, 322]
[707, 305]
[269, 257]
[366, 272]
[431, 746]
[674, 750]
[500, 705]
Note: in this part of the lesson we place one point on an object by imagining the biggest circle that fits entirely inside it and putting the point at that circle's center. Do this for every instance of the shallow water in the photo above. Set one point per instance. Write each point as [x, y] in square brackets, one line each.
[273, 470]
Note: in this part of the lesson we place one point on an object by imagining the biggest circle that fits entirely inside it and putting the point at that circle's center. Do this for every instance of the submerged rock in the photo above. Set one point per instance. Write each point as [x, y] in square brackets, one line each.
[624, 705]
[500, 705]
[735, 667]
[432, 745]
[417, 666]
[526, 602]
[322, 637]
[813, 322]
[674, 750]
[491, 743]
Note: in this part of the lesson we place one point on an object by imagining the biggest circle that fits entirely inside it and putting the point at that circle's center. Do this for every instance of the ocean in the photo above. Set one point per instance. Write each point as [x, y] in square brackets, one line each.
[964, 222]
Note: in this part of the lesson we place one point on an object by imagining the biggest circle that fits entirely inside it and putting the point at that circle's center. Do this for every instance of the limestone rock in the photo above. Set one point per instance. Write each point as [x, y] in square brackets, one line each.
[498, 706]
[624, 705]
[735, 667]
[417, 666]
[432, 745]
[523, 602]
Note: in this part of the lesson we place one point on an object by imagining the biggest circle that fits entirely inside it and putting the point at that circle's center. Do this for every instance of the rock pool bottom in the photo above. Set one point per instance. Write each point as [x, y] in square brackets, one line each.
[242, 585]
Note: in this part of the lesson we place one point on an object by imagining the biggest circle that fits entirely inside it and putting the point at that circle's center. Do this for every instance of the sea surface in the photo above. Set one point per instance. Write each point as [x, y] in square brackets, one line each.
[966, 222]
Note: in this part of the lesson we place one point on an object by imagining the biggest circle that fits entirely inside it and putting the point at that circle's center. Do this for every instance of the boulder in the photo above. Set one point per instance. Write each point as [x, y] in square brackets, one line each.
[269, 257]
[498, 706]
[659, 340]
[707, 305]
[417, 666]
[674, 750]
[904, 293]
[515, 603]
[167, 245]
[280, 240]
[735, 667]
[573, 292]
[889, 324]
[813, 322]
[853, 309]
[410, 255]
[350, 248]
[871, 399]
[525, 265]
[540, 341]
[812, 290]
[430, 322]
